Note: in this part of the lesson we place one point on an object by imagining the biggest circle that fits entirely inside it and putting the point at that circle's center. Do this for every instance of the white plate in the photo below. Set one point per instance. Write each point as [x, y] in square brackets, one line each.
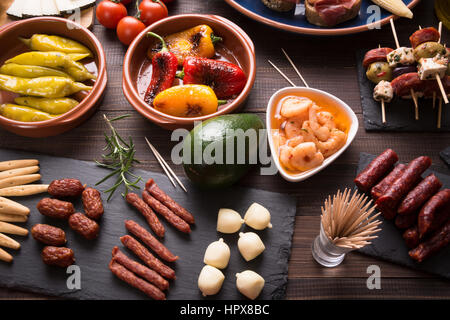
[299, 91]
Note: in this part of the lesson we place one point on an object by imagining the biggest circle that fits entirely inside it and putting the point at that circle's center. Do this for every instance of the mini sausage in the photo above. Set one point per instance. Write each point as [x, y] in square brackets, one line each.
[83, 225]
[388, 202]
[126, 275]
[55, 208]
[374, 55]
[438, 241]
[419, 195]
[58, 256]
[92, 203]
[376, 170]
[147, 212]
[411, 237]
[430, 210]
[404, 221]
[49, 235]
[381, 188]
[65, 188]
[424, 35]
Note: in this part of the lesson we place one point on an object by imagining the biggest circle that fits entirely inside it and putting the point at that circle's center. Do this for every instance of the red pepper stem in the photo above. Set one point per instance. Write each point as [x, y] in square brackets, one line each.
[180, 74]
[163, 43]
[215, 39]
[221, 102]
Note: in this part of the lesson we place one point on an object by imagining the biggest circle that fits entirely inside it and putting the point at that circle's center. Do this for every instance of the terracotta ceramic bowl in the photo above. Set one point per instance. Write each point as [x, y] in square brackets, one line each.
[236, 44]
[9, 38]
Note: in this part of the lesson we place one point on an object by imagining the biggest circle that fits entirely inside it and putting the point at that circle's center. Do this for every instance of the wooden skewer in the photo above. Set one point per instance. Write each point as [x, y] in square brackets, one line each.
[281, 72]
[383, 111]
[439, 113]
[295, 68]
[441, 87]
[397, 44]
[440, 31]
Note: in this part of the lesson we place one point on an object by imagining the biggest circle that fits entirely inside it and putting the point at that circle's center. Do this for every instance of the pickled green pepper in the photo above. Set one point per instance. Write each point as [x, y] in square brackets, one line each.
[49, 105]
[27, 71]
[44, 42]
[24, 114]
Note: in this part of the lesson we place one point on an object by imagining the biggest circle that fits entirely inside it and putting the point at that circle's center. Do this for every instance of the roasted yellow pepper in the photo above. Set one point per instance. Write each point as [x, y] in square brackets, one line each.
[47, 87]
[190, 100]
[197, 41]
[49, 105]
[24, 114]
[53, 59]
[43, 42]
[26, 71]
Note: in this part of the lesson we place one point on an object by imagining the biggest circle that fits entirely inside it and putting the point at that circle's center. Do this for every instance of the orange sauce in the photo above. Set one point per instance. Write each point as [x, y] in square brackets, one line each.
[340, 118]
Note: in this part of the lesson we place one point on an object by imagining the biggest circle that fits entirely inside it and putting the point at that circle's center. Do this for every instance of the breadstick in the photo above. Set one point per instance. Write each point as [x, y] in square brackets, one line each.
[7, 242]
[19, 180]
[11, 207]
[12, 218]
[14, 164]
[12, 229]
[5, 256]
[20, 191]
[18, 172]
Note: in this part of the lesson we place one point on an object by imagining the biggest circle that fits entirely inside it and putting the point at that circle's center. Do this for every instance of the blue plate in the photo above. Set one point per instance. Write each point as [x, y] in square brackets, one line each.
[366, 20]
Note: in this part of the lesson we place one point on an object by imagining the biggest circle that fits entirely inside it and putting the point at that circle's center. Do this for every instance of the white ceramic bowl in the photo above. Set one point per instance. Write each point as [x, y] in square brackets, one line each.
[300, 91]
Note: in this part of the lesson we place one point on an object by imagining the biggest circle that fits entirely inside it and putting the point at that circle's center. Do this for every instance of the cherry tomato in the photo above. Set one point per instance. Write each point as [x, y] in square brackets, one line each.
[152, 11]
[128, 28]
[110, 13]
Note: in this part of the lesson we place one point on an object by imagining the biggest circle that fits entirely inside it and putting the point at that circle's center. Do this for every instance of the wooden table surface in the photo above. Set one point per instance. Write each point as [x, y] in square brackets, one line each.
[327, 64]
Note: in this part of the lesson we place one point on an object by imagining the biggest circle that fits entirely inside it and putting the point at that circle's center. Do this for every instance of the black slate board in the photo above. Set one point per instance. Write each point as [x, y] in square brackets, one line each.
[399, 112]
[445, 156]
[390, 245]
[28, 272]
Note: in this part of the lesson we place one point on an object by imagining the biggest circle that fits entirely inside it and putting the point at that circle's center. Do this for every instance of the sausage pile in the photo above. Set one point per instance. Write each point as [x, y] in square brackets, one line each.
[152, 276]
[415, 204]
[59, 207]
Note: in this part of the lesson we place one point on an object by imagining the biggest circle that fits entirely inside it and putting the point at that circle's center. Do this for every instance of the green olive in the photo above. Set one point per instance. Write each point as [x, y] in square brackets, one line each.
[378, 71]
[429, 50]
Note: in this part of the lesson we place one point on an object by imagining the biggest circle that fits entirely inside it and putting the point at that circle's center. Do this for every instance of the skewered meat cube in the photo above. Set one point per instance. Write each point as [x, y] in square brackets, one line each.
[383, 91]
[428, 67]
[402, 55]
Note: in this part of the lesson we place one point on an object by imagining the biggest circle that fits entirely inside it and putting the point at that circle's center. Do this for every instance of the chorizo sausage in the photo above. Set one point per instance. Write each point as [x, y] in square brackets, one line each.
[150, 241]
[168, 214]
[388, 202]
[438, 241]
[411, 237]
[83, 225]
[431, 210]
[149, 259]
[374, 55]
[405, 221]
[424, 35]
[139, 269]
[58, 256]
[159, 194]
[55, 208]
[376, 170]
[49, 235]
[419, 195]
[147, 212]
[380, 189]
[129, 277]
[403, 84]
[65, 188]
[92, 203]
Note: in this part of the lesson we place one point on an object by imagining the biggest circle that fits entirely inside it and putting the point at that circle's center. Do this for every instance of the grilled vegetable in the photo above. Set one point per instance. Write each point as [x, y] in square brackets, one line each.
[27, 71]
[24, 114]
[43, 42]
[49, 105]
[396, 7]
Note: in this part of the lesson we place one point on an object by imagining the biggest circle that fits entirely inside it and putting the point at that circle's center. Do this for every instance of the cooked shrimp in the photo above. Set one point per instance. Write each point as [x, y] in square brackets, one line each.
[293, 128]
[333, 144]
[305, 156]
[278, 138]
[321, 133]
[297, 107]
[295, 141]
[326, 119]
[285, 157]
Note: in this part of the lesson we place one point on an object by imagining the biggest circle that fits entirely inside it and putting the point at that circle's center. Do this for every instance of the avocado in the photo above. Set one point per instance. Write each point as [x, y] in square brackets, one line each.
[219, 151]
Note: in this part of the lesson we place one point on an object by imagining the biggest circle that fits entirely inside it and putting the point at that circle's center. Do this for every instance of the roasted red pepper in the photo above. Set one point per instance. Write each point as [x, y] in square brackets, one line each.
[226, 79]
[165, 65]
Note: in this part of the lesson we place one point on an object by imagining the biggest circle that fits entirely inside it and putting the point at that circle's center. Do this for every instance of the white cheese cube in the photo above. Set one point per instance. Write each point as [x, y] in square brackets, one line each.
[429, 67]
[400, 55]
[383, 91]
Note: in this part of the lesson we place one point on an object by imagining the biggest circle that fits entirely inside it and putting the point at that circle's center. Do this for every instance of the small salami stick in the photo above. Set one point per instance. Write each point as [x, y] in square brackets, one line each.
[431, 211]
[149, 259]
[159, 194]
[147, 212]
[419, 195]
[438, 241]
[150, 240]
[139, 269]
[376, 170]
[129, 277]
[92, 203]
[381, 188]
[168, 214]
[404, 221]
[411, 237]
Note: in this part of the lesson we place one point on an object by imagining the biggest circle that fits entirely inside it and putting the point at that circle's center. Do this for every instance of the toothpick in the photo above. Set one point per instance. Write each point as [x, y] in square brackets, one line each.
[295, 68]
[383, 111]
[394, 33]
[416, 104]
[440, 31]
[441, 87]
[281, 72]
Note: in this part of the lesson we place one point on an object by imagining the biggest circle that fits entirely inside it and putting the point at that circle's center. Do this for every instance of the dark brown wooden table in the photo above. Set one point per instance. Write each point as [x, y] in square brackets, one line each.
[327, 64]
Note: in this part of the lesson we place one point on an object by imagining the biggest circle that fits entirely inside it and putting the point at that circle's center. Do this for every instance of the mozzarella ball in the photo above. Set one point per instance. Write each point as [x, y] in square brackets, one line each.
[217, 254]
[257, 217]
[229, 221]
[250, 245]
[210, 280]
[249, 283]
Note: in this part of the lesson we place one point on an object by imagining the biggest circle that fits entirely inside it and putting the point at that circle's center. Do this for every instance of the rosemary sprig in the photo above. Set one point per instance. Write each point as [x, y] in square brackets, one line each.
[120, 159]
